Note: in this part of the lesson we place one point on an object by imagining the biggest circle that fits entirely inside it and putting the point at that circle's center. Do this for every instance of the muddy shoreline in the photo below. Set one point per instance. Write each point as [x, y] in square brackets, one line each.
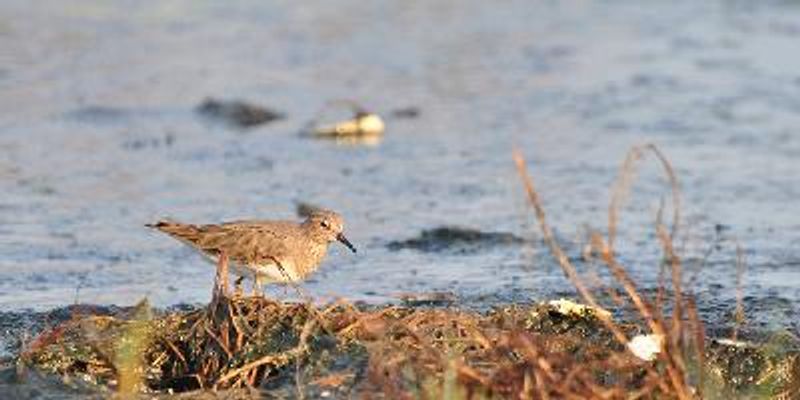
[70, 350]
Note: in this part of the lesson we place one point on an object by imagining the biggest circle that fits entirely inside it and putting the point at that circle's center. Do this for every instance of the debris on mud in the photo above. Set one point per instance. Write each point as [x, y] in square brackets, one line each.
[742, 369]
[363, 125]
[342, 350]
[455, 239]
[432, 299]
[238, 113]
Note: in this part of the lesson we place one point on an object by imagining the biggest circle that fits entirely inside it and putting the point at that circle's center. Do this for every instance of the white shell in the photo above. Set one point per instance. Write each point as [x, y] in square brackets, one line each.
[646, 347]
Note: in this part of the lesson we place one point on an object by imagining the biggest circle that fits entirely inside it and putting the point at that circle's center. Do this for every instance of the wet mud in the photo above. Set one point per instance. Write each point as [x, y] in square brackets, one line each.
[238, 113]
[454, 239]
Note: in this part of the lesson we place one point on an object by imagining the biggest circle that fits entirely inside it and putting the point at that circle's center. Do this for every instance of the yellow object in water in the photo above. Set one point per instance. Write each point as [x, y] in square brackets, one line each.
[364, 124]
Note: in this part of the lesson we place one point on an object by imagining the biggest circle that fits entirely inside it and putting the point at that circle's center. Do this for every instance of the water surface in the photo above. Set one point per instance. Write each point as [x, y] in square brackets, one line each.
[98, 135]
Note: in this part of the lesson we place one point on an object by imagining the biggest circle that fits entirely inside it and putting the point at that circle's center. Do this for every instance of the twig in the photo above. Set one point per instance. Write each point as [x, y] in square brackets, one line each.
[298, 381]
[176, 351]
[219, 341]
[280, 358]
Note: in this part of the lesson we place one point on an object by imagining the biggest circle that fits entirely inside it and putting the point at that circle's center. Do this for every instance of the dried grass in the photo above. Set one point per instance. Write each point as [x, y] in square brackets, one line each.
[671, 357]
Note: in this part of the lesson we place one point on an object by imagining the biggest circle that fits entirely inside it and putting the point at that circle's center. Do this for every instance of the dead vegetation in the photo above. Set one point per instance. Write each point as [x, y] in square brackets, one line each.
[544, 351]
[398, 351]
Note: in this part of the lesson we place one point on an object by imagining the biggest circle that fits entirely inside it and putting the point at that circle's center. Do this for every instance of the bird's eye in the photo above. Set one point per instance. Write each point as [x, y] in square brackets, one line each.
[324, 224]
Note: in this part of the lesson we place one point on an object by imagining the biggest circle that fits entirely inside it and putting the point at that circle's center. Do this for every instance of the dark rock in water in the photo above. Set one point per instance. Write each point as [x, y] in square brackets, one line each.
[433, 299]
[457, 239]
[406, 112]
[238, 113]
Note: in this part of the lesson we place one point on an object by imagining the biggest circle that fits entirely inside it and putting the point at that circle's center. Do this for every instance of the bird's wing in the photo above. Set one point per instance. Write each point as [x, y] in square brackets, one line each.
[248, 243]
[245, 242]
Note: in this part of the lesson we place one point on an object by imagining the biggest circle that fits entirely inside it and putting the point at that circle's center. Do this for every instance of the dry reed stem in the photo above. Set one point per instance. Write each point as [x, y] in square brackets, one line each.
[662, 266]
[674, 362]
[695, 271]
[540, 385]
[620, 192]
[624, 182]
[675, 368]
[561, 257]
[675, 272]
[739, 316]
[699, 342]
[607, 256]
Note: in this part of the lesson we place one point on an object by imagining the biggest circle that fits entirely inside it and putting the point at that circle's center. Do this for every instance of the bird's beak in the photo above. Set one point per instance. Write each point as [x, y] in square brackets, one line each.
[340, 237]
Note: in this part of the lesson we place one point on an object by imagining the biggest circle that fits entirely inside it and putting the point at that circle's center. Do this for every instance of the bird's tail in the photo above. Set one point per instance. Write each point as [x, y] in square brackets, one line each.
[185, 232]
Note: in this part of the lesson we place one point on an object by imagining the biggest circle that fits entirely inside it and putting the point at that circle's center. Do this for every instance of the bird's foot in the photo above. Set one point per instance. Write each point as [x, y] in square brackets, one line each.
[258, 290]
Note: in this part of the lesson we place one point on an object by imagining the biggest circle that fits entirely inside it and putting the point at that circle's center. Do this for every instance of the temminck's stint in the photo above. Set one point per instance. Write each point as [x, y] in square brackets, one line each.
[267, 251]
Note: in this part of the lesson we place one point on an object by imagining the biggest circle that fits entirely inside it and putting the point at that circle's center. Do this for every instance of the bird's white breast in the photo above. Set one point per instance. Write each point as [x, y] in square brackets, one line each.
[266, 272]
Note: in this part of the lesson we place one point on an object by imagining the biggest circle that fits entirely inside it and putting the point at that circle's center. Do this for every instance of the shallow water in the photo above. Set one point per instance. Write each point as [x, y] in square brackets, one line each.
[98, 136]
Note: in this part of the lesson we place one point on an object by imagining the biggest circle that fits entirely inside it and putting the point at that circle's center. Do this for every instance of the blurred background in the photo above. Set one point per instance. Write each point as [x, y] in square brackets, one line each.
[100, 133]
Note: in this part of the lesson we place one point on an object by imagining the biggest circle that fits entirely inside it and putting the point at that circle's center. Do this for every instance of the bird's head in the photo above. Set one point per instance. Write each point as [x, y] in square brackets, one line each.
[327, 226]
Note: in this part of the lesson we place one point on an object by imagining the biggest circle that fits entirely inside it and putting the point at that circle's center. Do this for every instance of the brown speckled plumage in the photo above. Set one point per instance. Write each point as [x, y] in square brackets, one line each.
[268, 251]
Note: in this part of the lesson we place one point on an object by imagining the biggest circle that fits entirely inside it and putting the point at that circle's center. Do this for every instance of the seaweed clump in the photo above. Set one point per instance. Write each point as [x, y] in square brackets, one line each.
[251, 345]
[254, 342]
[238, 113]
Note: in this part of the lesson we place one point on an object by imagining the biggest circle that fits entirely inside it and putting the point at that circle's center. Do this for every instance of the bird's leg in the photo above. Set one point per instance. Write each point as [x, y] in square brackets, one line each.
[222, 274]
[285, 276]
[257, 291]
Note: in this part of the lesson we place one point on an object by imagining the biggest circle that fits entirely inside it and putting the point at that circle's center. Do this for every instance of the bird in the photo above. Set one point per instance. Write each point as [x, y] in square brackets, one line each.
[267, 251]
